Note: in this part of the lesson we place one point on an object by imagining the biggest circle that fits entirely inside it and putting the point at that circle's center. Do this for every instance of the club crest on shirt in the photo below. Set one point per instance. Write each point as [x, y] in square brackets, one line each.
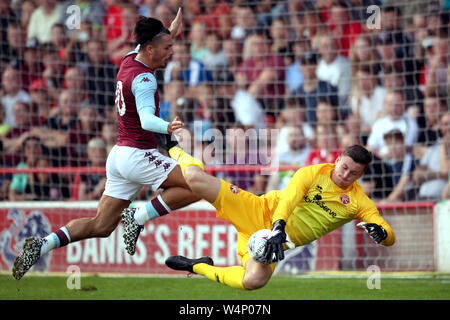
[344, 199]
[234, 189]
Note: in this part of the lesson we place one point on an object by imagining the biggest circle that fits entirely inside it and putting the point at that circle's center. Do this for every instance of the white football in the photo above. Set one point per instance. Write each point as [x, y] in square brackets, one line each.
[256, 245]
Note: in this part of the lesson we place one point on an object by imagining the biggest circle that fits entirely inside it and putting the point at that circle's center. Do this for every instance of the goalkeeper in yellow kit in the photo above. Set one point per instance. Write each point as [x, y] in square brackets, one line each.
[317, 200]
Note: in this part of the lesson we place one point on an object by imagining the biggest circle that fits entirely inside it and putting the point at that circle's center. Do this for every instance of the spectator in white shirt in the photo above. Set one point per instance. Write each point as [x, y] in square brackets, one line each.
[292, 115]
[12, 93]
[43, 18]
[334, 68]
[396, 118]
[367, 98]
[297, 152]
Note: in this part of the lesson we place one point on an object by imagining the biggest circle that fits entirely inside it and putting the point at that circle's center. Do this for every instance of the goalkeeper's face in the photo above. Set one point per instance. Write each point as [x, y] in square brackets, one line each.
[346, 171]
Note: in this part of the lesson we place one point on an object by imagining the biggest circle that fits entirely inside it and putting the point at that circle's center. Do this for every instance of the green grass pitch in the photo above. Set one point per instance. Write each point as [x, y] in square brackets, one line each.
[433, 287]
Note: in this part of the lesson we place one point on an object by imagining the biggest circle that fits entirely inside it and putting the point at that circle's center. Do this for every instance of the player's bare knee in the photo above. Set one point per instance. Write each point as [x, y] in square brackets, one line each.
[255, 282]
[193, 176]
[102, 228]
[256, 279]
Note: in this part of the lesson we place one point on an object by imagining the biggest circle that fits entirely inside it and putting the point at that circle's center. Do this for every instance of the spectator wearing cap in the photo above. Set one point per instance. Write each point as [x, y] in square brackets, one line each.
[43, 18]
[400, 164]
[313, 89]
[12, 93]
[396, 118]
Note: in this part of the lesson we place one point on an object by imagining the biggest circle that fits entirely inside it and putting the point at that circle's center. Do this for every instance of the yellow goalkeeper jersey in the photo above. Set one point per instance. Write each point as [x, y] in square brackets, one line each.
[313, 205]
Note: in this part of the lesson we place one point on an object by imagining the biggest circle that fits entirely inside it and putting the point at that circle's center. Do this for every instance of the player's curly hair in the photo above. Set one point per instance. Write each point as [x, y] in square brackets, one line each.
[148, 30]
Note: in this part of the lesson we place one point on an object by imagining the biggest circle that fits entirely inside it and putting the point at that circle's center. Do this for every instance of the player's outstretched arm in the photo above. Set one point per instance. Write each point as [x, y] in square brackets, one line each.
[373, 223]
[375, 231]
[176, 25]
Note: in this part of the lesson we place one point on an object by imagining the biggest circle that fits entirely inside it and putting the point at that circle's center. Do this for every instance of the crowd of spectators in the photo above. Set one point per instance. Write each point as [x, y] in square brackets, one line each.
[324, 73]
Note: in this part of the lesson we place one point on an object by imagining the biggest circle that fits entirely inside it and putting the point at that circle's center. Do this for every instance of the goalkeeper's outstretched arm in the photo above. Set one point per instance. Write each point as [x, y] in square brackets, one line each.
[377, 228]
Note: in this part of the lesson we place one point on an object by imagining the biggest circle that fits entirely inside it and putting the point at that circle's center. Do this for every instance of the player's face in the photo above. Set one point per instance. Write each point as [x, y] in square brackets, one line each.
[346, 171]
[163, 51]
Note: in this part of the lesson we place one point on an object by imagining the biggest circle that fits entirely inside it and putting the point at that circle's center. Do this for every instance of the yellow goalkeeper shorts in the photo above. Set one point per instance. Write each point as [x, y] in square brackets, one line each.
[245, 211]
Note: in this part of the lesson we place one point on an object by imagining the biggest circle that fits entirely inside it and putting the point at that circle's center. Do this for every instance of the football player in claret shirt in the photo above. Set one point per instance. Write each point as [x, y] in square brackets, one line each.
[134, 161]
[317, 200]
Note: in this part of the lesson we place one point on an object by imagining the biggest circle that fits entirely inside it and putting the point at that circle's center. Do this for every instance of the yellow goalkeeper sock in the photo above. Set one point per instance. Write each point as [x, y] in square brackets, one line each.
[184, 159]
[230, 276]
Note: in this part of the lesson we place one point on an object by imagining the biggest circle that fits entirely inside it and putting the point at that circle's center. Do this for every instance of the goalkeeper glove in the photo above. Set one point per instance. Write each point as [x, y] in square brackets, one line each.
[274, 245]
[375, 231]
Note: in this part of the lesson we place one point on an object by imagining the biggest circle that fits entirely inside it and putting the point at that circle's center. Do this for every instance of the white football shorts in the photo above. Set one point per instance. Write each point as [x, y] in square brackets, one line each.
[128, 169]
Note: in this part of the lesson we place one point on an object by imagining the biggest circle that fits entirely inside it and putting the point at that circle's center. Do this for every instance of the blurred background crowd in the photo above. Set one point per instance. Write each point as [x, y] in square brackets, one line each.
[326, 73]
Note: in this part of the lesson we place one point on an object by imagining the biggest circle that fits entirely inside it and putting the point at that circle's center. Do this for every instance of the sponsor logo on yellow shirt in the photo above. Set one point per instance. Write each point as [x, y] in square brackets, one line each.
[318, 201]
